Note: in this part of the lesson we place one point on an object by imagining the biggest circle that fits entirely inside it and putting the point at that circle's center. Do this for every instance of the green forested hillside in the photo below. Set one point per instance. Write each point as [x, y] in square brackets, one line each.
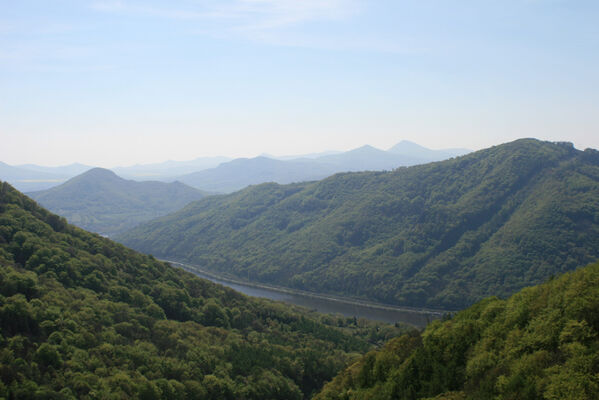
[100, 201]
[542, 343]
[440, 235]
[82, 317]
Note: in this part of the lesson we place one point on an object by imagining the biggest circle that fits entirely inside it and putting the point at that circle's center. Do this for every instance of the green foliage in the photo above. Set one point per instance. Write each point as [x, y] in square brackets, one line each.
[100, 201]
[82, 317]
[439, 235]
[542, 343]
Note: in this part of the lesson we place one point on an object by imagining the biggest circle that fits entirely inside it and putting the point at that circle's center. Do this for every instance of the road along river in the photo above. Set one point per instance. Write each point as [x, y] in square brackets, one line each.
[322, 303]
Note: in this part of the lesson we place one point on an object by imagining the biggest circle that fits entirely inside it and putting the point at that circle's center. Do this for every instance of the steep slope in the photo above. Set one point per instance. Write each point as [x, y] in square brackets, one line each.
[542, 343]
[100, 201]
[441, 235]
[82, 317]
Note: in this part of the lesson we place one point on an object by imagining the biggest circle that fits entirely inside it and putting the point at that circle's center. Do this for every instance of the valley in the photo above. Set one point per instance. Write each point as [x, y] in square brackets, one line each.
[299, 200]
[441, 235]
[225, 174]
[321, 303]
[82, 316]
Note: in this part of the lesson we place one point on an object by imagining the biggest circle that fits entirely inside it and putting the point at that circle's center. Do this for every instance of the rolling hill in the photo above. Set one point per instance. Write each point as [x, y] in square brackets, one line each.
[368, 158]
[242, 172]
[82, 317]
[166, 171]
[100, 201]
[206, 173]
[440, 235]
[423, 154]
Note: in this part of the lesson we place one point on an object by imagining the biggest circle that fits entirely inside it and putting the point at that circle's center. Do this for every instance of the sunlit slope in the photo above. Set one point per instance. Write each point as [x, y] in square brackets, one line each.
[82, 317]
[542, 343]
[440, 235]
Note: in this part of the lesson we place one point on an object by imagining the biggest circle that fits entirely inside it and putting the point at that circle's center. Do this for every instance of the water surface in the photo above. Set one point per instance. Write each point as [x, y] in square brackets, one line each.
[345, 307]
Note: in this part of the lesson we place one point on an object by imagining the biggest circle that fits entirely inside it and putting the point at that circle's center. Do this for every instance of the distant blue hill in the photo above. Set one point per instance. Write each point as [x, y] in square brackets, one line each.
[27, 179]
[242, 172]
[100, 201]
[222, 174]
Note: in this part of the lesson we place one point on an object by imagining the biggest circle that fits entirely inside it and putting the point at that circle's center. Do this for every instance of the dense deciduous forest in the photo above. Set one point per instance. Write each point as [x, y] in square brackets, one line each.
[542, 343]
[100, 201]
[82, 317]
[441, 235]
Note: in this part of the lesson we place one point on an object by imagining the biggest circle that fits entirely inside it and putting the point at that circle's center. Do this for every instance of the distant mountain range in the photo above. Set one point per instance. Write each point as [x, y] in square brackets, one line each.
[65, 170]
[439, 235]
[100, 201]
[168, 170]
[242, 172]
[32, 177]
[422, 154]
[239, 173]
[212, 173]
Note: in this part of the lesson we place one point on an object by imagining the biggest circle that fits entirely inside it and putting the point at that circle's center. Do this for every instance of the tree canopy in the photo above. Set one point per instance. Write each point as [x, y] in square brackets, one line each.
[542, 343]
[82, 317]
[439, 235]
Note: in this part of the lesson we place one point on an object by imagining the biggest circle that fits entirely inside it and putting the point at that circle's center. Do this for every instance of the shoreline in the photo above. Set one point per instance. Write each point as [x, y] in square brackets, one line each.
[280, 289]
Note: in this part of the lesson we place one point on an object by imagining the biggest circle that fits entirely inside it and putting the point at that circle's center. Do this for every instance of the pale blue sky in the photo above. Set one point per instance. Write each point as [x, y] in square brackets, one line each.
[122, 82]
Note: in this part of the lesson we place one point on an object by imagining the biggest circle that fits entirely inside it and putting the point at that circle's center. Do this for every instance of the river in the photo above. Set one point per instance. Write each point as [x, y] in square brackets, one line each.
[323, 303]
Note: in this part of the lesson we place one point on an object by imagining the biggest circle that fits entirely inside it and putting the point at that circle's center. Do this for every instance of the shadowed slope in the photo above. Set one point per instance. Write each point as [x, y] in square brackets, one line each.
[441, 235]
[83, 317]
[542, 343]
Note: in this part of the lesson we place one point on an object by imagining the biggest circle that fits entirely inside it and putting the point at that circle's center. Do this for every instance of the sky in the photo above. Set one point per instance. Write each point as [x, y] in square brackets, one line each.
[120, 82]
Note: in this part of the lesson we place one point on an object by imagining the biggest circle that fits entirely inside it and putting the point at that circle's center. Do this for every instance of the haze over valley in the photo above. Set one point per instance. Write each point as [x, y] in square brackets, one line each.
[443, 234]
[100, 201]
[439, 235]
[293, 200]
[223, 174]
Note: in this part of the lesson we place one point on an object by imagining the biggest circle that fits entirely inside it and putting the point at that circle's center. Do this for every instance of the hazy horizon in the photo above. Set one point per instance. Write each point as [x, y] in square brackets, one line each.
[263, 154]
[118, 83]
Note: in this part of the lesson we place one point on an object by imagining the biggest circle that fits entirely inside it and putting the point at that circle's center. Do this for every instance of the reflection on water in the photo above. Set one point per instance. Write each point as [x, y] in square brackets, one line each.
[330, 306]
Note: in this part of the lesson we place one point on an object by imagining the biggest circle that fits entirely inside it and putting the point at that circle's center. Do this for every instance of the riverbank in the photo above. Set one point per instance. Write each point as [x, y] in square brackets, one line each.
[431, 313]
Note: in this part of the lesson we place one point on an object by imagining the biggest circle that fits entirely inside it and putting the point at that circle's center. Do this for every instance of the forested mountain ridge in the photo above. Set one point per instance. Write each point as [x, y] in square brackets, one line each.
[441, 235]
[541, 343]
[83, 317]
[100, 201]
